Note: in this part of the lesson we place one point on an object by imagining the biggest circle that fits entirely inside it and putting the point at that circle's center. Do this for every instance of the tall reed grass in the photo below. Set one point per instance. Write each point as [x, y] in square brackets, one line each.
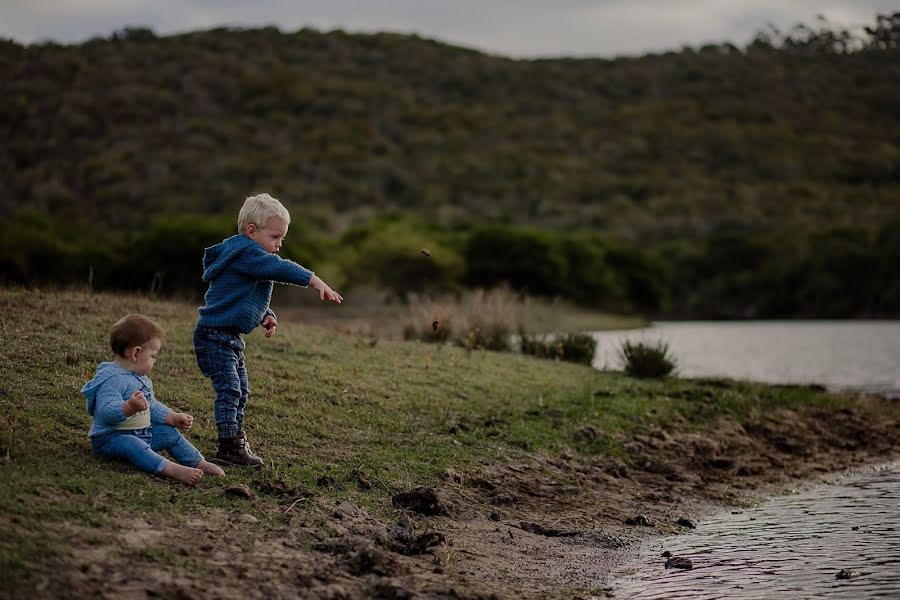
[475, 319]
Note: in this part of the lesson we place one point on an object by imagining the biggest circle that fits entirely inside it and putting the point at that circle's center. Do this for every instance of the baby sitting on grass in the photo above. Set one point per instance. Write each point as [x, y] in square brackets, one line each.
[129, 422]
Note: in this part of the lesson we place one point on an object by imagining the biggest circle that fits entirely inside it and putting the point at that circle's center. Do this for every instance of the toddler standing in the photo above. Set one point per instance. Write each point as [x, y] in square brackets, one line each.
[241, 271]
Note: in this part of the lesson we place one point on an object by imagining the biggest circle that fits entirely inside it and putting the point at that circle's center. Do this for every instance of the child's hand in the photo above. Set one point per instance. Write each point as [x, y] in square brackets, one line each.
[135, 404]
[270, 325]
[182, 421]
[325, 292]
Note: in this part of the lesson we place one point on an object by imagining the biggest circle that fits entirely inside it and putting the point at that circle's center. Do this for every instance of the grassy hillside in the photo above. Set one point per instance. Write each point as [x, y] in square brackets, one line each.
[324, 405]
[798, 132]
[717, 182]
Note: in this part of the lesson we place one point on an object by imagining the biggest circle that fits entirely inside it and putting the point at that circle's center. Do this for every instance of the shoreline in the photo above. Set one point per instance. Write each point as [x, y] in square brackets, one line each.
[580, 565]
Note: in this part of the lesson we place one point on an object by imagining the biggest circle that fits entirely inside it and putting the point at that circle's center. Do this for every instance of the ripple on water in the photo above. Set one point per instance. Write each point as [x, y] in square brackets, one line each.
[789, 547]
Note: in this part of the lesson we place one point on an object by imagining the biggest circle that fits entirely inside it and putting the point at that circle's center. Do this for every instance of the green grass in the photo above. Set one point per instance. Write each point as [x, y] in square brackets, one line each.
[322, 403]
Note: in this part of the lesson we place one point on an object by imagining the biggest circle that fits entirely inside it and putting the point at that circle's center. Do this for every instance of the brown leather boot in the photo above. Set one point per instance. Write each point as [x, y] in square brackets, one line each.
[236, 452]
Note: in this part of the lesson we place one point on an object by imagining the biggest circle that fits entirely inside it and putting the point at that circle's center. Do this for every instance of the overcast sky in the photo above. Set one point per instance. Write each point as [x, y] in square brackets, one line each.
[518, 28]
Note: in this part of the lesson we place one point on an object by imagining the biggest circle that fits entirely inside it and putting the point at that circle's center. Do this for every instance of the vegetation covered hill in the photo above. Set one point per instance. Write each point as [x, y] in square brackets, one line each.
[794, 138]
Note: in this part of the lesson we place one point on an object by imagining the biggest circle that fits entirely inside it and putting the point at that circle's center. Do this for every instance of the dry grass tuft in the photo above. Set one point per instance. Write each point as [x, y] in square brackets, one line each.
[485, 319]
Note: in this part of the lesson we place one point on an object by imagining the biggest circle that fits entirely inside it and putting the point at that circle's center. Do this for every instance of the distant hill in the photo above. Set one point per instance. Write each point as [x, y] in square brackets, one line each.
[801, 132]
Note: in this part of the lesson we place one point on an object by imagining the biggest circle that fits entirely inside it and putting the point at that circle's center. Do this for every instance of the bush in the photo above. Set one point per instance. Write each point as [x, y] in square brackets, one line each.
[389, 254]
[477, 319]
[647, 359]
[526, 259]
[574, 347]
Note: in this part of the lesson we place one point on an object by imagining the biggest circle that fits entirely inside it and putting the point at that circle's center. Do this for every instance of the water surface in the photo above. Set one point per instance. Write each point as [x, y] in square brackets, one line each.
[856, 355]
[788, 547]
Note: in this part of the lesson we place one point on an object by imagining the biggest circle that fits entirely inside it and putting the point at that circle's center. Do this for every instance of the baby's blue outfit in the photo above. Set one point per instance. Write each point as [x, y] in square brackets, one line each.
[106, 393]
[241, 274]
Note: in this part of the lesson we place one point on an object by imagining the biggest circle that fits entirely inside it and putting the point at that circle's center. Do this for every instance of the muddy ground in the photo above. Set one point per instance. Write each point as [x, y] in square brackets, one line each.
[546, 527]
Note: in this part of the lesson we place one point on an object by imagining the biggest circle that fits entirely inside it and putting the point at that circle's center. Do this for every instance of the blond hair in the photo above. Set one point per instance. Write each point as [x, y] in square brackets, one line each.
[131, 331]
[260, 208]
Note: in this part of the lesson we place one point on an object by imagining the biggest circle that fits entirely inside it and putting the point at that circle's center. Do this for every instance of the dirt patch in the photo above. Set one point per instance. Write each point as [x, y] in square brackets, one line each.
[545, 527]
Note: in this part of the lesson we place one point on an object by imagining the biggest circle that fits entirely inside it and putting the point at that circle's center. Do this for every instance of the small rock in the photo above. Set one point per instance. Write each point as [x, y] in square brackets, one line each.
[538, 529]
[846, 574]
[361, 480]
[666, 554]
[426, 251]
[639, 520]
[245, 518]
[504, 499]
[855, 528]
[494, 516]
[679, 562]
[686, 523]
[280, 489]
[325, 481]
[451, 475]
[239, 490]
[721, 462]
[422, 500]
[588, 434]
[346, 508]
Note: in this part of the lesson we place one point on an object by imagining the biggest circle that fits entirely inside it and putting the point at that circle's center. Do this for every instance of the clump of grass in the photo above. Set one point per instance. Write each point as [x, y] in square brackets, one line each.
[574, 347]
[478, 319]
[8, 426]
[647, 360]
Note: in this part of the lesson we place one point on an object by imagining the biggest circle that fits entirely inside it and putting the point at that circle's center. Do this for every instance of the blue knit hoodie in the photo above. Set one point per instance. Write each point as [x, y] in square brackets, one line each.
[240, 273]
[107, 392]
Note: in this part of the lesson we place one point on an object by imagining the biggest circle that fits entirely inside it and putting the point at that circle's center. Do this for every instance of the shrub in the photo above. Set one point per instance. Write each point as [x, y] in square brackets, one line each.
[477, 319]
[526, 259]
[389, 254]
[647, 359]
[574, 347]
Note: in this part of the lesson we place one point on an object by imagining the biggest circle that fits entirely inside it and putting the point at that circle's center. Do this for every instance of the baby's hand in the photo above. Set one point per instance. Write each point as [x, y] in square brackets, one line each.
[183, 421]
[136, 403]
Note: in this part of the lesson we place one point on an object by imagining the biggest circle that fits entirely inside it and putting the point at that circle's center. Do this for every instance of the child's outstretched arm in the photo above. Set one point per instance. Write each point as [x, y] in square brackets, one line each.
[258, 264]
[261, 265]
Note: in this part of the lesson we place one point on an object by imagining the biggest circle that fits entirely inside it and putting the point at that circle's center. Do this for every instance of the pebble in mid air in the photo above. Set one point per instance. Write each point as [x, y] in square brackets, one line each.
[426, 252]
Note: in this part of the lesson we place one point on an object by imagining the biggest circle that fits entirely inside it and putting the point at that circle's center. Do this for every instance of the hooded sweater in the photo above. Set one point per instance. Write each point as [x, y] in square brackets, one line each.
[107, 392]
[240, 274]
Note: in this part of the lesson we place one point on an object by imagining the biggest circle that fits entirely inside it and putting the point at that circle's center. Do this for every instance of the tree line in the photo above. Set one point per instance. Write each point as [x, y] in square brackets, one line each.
[730, 274]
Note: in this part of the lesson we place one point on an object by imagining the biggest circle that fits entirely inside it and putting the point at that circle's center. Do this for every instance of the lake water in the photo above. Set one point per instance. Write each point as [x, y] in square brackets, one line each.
[791, 546]
[855, 355]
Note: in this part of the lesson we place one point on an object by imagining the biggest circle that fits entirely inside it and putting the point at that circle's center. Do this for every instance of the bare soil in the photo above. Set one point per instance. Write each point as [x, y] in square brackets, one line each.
[545, 527]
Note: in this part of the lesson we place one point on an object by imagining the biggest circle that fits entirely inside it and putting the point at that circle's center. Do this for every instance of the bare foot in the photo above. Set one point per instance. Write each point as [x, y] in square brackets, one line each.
[210, 469]
[186, 475]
